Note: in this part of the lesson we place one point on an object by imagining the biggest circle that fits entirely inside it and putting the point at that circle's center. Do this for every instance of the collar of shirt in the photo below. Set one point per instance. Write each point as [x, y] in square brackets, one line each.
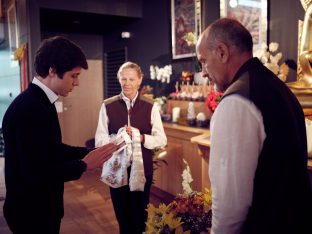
[51, 95]
[128, 102]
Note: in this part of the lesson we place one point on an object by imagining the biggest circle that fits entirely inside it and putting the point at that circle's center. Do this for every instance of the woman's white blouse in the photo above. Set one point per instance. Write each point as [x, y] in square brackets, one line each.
[156, 139]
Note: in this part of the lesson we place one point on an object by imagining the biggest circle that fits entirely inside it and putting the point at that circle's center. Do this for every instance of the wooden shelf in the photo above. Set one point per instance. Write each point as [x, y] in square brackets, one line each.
[168, 178]
[198, 107]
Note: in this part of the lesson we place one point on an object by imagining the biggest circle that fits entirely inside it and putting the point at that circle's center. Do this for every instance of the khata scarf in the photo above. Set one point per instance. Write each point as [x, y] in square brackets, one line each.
[114, 171]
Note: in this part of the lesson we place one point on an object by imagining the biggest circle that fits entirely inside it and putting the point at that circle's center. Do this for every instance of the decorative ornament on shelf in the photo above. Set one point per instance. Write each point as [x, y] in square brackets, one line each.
[201, 120]
[191, 92]
[191, 118]
[271, 61]
[20, 52]
[187, 76]
[189, 212]
[147, 91]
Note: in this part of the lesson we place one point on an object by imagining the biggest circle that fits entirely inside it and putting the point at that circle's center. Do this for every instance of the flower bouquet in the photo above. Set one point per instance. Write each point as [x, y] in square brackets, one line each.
[188, 213]
[213, 99]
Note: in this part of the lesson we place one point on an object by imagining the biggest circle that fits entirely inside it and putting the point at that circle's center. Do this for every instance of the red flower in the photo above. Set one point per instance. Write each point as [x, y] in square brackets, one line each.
[213, 99]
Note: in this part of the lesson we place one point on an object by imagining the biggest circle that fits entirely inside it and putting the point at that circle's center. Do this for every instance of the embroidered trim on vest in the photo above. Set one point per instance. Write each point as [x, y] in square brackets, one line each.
[146, 99]
[112, 99]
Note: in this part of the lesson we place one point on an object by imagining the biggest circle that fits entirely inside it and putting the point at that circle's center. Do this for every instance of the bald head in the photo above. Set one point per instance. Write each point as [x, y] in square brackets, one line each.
[230, 32]
[222, 49]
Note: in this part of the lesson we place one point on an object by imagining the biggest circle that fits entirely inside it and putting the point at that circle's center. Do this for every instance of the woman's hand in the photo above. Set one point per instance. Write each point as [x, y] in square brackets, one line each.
[129, 131]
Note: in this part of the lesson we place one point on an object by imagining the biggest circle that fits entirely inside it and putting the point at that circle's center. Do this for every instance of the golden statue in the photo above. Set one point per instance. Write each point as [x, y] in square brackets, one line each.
[302, 88]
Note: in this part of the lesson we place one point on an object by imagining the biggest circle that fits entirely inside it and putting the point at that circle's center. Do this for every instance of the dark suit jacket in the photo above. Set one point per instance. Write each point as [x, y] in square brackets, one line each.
[36, 161]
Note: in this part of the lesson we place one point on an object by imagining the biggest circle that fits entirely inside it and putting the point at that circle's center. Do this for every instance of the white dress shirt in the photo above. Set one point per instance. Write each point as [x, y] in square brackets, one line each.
[51, 95]
[237, 136]
[156, 139]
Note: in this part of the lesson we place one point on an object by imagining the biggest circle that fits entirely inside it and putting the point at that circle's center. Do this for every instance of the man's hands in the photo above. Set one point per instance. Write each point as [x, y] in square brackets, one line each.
[97, 157]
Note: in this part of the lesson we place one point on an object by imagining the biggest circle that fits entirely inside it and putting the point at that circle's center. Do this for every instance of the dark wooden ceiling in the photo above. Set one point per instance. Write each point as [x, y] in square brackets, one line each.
[52, 20]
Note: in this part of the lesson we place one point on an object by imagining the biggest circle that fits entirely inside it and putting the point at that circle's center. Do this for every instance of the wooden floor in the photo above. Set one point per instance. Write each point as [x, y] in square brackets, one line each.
[88, 208]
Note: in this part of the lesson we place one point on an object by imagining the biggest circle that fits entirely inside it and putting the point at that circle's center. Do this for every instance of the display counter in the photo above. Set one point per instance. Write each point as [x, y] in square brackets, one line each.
[182, 144]
[191, 144]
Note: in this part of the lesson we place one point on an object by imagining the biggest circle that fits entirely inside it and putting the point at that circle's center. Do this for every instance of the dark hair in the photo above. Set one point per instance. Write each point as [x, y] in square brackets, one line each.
[231, 32]
[60, 54]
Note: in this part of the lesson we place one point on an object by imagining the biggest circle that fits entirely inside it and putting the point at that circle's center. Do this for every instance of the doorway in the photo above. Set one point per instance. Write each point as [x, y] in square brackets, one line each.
[80, 110]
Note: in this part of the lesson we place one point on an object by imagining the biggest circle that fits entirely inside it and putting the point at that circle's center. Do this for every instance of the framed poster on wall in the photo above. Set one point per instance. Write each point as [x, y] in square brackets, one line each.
[185, 18]
[12, 27]
[252, 14]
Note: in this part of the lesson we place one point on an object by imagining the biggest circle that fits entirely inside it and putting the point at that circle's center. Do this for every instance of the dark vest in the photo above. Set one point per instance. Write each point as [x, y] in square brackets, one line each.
[140, 118]
[282, 193]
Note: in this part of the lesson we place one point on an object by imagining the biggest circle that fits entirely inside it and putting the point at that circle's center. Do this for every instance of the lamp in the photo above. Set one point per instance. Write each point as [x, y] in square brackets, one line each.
[125, 35]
